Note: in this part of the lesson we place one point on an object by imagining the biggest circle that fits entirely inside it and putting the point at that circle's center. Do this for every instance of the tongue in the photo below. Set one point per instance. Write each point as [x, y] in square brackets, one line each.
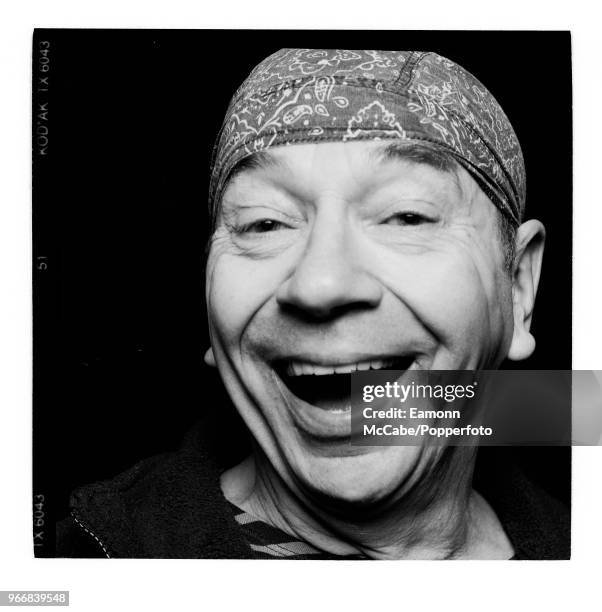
[329, 392]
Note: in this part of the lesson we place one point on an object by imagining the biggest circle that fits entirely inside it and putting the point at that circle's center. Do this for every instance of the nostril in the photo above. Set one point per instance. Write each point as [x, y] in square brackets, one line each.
[314, 314]
[316, 297]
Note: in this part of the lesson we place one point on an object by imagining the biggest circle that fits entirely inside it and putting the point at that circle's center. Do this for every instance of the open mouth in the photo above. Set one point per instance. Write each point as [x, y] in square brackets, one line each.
[329, 386]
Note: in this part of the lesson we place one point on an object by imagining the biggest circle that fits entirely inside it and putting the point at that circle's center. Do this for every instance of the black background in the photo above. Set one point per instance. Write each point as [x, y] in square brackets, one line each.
[120, 214]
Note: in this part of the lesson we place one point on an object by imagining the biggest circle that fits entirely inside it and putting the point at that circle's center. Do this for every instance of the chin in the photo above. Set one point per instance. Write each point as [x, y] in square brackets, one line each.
[361, 480]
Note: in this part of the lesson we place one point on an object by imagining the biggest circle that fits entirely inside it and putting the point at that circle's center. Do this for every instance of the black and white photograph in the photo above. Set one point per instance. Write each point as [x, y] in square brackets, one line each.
[229, 225]
[313, 282]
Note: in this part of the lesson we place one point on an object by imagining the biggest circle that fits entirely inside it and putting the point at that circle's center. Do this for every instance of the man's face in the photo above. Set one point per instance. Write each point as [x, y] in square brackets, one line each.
[333, 257]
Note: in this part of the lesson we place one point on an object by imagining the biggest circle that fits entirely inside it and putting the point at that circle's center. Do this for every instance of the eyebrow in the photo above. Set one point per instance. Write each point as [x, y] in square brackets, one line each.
[260, 160]
[416, 153]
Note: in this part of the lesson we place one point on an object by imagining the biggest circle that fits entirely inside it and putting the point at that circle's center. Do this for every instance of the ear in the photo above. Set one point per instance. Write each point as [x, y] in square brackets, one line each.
[530, 238]
[210, 358]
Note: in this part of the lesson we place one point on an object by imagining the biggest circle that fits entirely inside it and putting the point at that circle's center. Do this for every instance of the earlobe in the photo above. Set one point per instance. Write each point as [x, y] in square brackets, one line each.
[523, 343]
[210, 358]
[530, 240]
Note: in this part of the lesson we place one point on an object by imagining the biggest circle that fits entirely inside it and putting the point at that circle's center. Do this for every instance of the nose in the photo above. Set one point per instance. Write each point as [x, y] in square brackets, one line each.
[329, 278]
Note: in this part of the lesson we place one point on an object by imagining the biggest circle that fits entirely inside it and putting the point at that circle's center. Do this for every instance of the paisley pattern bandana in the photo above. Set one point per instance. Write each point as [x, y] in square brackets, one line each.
[318, 95]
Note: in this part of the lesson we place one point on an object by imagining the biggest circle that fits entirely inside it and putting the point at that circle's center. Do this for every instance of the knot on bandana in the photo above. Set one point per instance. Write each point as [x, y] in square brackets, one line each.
[317, 95]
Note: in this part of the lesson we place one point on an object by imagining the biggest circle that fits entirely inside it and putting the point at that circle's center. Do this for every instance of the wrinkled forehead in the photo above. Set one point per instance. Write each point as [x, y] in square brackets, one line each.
[300, 96]
[356, 173]
[352, 167]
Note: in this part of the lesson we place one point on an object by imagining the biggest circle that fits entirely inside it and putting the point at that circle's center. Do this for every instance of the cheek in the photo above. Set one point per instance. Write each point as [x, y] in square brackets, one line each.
[445, 290]
[236, 289]
[454, 290]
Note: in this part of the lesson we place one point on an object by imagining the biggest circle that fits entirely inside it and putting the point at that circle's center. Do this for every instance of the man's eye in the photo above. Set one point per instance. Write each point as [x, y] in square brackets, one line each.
[261, 226]
[406, 218]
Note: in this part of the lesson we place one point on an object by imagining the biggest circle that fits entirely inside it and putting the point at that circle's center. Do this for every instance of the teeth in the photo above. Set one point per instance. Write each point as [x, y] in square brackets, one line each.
[341, 410]
[346, 369]
[297, 368]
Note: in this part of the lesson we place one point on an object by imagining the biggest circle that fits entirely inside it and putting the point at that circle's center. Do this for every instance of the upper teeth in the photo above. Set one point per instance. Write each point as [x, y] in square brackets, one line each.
[298, 368]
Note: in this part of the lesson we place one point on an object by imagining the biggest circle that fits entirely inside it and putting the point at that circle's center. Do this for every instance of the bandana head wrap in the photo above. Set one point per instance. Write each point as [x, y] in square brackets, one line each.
[321, 95]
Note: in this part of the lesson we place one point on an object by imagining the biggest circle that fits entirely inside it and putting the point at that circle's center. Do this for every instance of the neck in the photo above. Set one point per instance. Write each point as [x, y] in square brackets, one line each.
[439, 516]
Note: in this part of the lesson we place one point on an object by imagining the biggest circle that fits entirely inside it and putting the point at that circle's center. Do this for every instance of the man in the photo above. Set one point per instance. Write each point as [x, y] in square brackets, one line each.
[367, 213]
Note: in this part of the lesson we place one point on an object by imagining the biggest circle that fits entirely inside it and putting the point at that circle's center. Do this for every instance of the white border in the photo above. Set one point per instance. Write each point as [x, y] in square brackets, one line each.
[181, 585]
